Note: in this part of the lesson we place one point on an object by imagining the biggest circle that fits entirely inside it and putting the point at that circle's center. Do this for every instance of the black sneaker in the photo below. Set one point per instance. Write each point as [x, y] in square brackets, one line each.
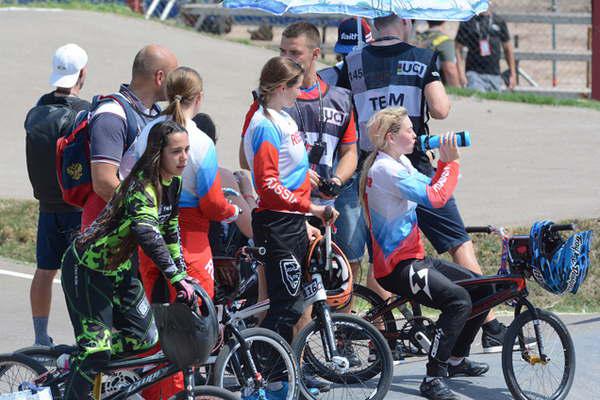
[493, 342]
[468, 368]
[437, 389]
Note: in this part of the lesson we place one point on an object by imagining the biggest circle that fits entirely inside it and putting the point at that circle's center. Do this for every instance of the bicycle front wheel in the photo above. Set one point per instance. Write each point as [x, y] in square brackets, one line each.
[16, 369]
[363, 368]
[272, 357]
[530, 375]
[206, 393]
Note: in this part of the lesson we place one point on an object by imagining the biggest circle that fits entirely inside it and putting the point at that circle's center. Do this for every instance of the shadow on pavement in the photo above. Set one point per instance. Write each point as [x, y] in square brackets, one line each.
[472, 390]
[409, 385]
[586, 321]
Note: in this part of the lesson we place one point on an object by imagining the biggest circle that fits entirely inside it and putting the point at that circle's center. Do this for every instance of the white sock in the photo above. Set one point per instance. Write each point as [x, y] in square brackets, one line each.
[454, 361]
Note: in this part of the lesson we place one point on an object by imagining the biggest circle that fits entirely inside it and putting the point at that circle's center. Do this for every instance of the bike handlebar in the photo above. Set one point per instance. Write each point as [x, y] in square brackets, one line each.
[490, 228]
[255, 251]
[479, 229]
[562, 227]
[328, 214]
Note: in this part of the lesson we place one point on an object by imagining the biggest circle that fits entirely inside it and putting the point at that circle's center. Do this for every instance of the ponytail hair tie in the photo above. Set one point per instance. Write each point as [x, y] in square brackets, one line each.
[178, 98]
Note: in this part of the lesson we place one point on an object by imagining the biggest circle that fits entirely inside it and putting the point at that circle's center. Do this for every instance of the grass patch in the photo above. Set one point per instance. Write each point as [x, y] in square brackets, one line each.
[18, 229]
[107, 7]
[527, 98]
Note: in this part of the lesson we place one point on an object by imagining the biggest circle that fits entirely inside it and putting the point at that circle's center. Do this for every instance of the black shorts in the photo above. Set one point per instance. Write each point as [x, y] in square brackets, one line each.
[443, 227]
[285, 238]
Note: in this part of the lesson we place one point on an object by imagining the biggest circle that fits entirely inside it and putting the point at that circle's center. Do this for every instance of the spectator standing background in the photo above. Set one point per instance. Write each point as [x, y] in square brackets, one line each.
[436, 40]
[112, 132]
[485, 36]
[58, 221]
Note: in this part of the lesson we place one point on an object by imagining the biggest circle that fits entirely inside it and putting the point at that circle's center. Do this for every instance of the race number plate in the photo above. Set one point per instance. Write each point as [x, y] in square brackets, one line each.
[314, 291]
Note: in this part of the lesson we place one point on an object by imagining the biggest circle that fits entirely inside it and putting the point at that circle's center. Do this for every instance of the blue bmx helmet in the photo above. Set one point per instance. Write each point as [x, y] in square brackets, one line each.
[559, 266]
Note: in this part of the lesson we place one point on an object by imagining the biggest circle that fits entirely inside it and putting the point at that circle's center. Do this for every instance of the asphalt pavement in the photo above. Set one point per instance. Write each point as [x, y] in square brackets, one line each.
[17, 332]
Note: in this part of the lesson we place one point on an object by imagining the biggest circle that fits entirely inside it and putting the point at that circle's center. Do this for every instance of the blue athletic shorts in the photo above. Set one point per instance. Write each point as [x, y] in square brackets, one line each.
[443, 227]
[55, 232]
[352, 234]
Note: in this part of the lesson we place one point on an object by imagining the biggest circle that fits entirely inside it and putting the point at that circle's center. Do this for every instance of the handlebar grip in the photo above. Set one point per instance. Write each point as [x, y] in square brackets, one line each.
[562, 227]
[328, 213]
[478, 229]
[255, 251]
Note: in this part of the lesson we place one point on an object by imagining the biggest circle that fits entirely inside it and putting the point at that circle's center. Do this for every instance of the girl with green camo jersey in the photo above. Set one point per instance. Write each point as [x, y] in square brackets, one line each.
[106, 302]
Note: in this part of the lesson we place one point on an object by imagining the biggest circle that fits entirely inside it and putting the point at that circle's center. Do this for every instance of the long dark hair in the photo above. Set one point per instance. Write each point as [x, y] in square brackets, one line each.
[145, 171]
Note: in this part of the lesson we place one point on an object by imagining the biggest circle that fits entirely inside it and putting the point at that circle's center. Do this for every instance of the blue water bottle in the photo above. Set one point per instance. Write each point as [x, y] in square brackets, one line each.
[463, 139]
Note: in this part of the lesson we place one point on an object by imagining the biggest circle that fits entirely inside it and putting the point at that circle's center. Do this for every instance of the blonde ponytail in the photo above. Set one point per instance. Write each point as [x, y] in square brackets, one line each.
[384, 121]
[183, 84]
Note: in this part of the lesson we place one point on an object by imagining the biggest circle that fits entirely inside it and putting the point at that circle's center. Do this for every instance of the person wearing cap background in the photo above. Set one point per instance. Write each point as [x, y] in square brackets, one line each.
[58, 221]
[346, 42]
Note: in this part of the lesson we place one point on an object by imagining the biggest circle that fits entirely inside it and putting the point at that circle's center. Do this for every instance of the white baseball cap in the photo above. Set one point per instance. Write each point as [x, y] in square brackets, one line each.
[67, 62]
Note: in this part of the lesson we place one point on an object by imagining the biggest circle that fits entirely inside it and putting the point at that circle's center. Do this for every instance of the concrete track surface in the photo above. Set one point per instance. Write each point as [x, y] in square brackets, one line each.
[17, 332]
[527, 162]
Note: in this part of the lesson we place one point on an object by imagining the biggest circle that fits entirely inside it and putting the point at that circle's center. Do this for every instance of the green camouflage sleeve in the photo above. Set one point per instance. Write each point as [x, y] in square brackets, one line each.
[171, 229]
[142, 207]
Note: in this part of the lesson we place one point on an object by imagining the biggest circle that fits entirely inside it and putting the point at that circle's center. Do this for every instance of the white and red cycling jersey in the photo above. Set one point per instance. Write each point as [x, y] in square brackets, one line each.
[277, 157]
[393, 190]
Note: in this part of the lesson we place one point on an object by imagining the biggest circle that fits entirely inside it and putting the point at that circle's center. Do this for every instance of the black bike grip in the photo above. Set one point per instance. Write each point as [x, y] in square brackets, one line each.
[478, 229]
[562, 227]
[328, 213]
[256, 251]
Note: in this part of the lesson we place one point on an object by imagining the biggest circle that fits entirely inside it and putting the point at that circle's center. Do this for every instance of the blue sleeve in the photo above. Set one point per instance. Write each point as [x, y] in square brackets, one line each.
[412, 187]
[108, 136]
[207, 172]
[265, 132]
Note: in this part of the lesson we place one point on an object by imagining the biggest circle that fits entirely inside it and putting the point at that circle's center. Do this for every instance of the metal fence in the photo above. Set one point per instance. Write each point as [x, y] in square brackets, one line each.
[551, 38]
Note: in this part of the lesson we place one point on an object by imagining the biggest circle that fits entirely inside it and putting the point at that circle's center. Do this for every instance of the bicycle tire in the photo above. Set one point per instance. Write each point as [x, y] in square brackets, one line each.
[208, 393]
[341, 323]
[265, 336]
[568, 352]
[374, 301]
[47, 356]
[10, 380]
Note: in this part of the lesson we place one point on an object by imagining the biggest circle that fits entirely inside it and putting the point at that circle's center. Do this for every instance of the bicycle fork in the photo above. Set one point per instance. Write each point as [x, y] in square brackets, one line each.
[525, 351]
[247, 359]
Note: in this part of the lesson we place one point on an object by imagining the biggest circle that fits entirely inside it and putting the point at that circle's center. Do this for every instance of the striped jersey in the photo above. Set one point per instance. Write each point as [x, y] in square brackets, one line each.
[394, 189]
[277, 157]
[201, 178]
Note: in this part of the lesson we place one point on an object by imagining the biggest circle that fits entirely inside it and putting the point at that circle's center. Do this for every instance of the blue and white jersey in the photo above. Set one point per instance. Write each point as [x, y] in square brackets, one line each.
[201, 179]
[394, 189]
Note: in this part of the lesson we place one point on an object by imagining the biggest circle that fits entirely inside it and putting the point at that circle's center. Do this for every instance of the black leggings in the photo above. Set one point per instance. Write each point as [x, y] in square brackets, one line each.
[97, 306]
[431, 282]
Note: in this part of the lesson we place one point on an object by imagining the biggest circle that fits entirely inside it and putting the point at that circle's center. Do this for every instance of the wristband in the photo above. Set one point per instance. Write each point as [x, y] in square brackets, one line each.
[230, 192]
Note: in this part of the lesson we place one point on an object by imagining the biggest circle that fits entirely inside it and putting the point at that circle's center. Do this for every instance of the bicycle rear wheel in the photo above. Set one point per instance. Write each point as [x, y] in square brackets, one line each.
[268, 349]
[527, 375]
[367, 377]
[16, 369]
[206, 393]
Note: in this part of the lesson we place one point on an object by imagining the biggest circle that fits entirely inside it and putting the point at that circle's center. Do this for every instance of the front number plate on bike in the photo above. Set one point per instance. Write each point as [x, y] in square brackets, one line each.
[314, 291]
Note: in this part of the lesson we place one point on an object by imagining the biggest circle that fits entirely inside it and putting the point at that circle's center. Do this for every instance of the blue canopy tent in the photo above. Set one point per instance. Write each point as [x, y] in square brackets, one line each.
[450, 10]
